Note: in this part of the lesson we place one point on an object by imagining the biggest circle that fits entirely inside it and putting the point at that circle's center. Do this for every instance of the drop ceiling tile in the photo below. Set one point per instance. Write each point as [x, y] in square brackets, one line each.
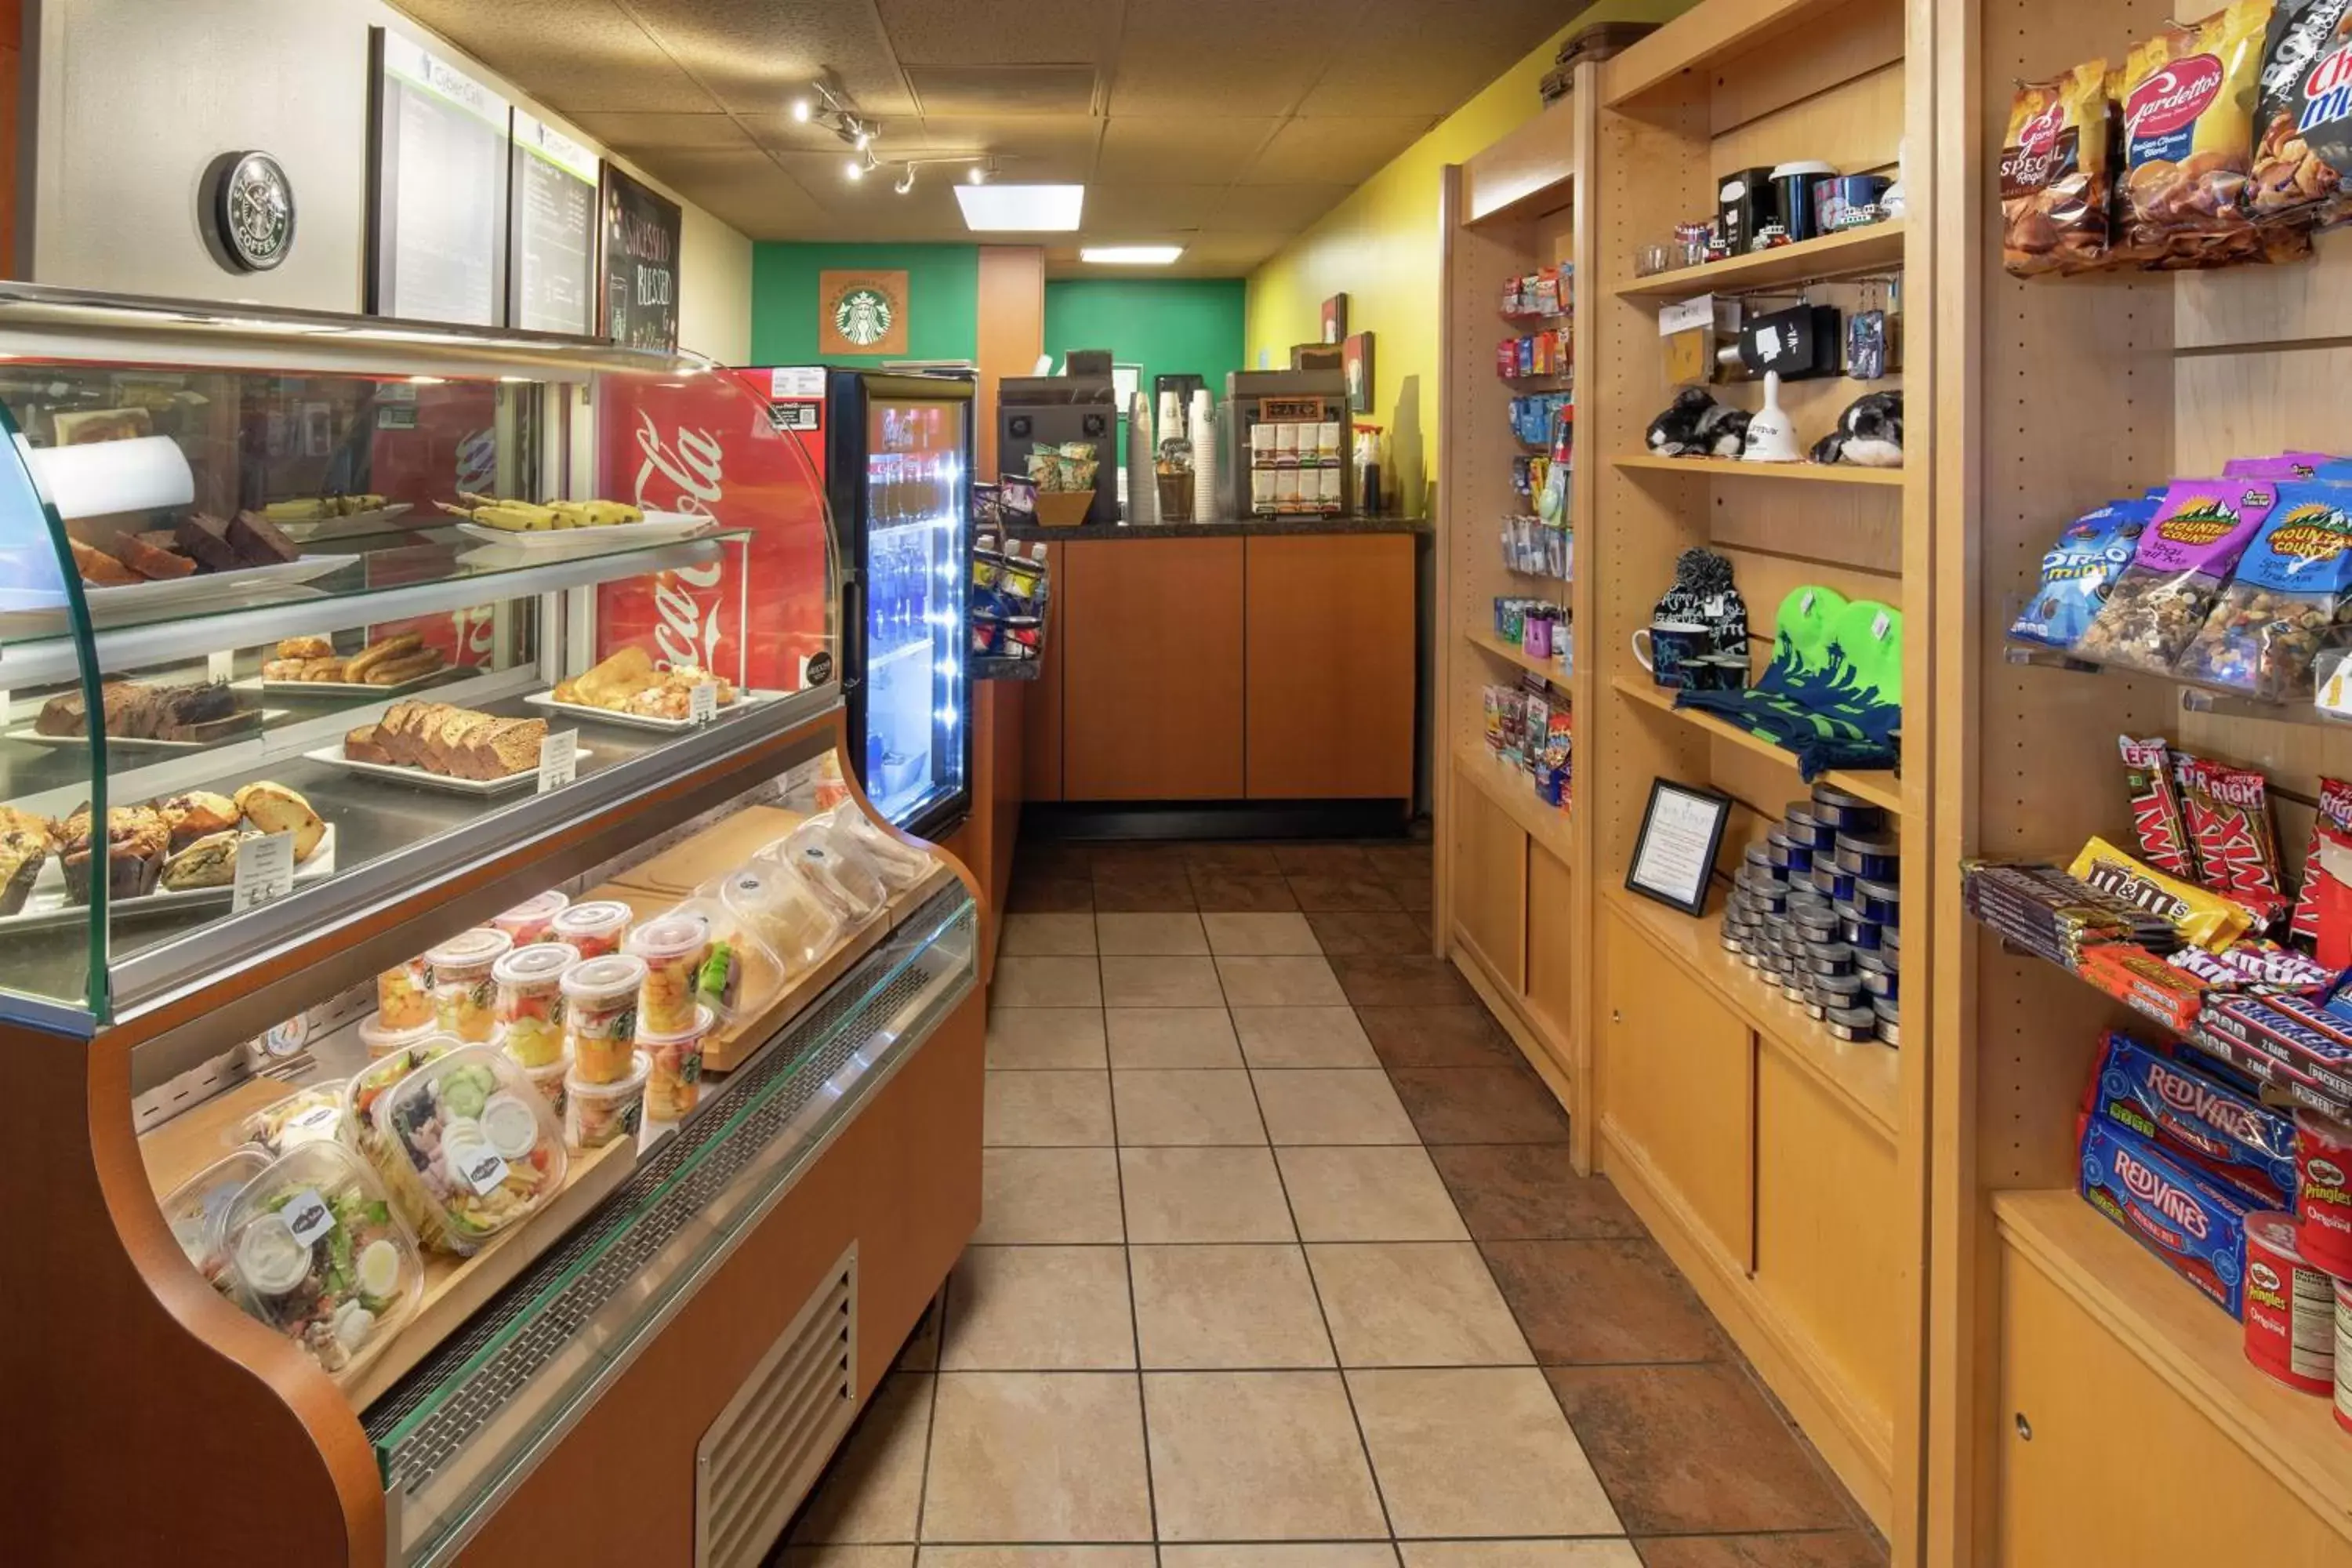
[755, 55]
[634, 132]
[1039, 89]
[570, 55]
[1036, 147]
[744, 189]
[956, 32]
[1116, 205]
[1428, 57]
[1283, 209]
[1211, 57]
[1181, 147]
[1333, 152]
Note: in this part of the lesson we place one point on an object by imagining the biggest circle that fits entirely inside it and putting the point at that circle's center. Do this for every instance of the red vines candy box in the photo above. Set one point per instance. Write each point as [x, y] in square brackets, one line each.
[2187, 1110]
[2197, 1227]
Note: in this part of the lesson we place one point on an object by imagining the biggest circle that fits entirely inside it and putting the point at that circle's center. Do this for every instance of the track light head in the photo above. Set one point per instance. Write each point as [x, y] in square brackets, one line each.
[906, 180]
[802, 111]
[856, 169]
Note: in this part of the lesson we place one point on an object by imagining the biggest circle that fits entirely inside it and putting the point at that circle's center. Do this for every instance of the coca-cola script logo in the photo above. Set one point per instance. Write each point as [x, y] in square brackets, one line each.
[688, 479]
[2040, 134]
[2173, 97]
[2192, 1097]
[2144, 1183]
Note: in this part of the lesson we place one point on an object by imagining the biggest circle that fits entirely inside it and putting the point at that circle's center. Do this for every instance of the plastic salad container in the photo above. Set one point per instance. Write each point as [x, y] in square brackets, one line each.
[532, 920]
[198, 1206]
[478, 1139]
[675, 1084]
[901, 865]
[600, 1013]
[549, 1080]
[529, 1009]
[316, 1252]
[309, 1115]
[464, 996]
[366, 1086]
[404, 995]
[836, 867]
[600, 1112]
[381, 1042]
[672, 947]
[738, 975]
[594, 929]
[783, 911]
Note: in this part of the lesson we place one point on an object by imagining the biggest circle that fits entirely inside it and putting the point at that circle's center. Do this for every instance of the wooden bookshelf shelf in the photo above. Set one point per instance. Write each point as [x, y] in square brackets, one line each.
[1511, 653]
[1783, 473]
[1703, 36]
[1855, 250]
[1509, 788]
[1879, 789]
[1865, 1078]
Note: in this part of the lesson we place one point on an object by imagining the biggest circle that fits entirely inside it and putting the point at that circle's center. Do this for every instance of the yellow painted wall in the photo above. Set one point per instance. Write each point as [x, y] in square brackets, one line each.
[1384, 249]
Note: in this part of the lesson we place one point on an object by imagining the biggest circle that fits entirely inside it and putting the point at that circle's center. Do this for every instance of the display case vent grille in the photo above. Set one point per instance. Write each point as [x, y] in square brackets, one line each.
[767, 1448]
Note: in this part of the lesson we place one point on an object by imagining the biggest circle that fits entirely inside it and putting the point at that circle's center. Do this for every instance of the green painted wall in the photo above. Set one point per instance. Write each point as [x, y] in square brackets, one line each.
[943, 299]
[1164, 324]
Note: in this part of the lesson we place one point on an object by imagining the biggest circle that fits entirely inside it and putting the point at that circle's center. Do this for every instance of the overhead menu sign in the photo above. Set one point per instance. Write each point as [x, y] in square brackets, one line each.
[552, 283]
[640, 240]
[437, 174]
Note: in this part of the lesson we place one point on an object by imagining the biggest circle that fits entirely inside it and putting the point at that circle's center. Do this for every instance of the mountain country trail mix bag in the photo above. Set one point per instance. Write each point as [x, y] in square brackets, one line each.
[2290, 602]
[2160, 603]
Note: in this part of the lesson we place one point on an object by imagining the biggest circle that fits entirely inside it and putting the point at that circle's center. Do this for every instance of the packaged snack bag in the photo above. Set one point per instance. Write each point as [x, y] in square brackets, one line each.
[2335, 812]
[2079, 570]
[2057, 172]
[2303, 115]
[2160, 603]
[2290, 602]
[2199, 916]
[2188, 134]
[2156, 819]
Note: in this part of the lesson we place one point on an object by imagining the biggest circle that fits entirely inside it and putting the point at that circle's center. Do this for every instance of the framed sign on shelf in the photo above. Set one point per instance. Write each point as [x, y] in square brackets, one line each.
[1674, 854]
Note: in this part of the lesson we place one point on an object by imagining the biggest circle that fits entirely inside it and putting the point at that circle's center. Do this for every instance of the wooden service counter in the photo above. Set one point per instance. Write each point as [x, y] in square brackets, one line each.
[1272, 662]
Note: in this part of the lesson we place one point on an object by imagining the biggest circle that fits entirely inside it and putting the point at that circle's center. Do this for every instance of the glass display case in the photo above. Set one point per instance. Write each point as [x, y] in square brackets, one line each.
[407, 740]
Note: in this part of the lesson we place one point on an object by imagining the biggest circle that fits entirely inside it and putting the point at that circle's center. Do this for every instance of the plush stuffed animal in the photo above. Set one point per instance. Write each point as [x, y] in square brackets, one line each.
[1698, 426]
[1869, 434]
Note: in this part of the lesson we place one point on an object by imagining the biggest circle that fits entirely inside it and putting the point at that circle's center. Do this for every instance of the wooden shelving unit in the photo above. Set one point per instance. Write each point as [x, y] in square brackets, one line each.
[1784, 473]
[1511, 653]
[1879, 789]
[1514, 795]
[1878, 246]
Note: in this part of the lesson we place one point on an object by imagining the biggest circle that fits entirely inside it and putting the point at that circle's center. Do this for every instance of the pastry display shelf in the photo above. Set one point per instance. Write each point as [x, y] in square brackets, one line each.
[1511, 653]
[1880, 789]
[1738, 468]
[1512, 788]
[423, 579]
[2197, 1349]
[1845, 254]
[2217, 702]
[1864, 1076]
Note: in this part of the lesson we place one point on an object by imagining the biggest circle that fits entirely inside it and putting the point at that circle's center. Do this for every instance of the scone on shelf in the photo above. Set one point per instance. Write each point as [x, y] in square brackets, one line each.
[271, 807]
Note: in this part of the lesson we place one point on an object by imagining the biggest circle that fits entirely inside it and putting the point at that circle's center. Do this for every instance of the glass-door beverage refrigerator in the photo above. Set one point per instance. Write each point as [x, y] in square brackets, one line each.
[896, 451]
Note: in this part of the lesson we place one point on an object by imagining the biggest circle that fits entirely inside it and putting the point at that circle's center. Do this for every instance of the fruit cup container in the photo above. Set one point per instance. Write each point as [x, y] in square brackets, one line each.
[403, 997]
[464, 998]
[672, 947]
[599, 1113]
[381, 1042]
[592, 929]
[530, 1007]
[550, 1081]
[533, 920]
[600, 1013]
[675, 1084]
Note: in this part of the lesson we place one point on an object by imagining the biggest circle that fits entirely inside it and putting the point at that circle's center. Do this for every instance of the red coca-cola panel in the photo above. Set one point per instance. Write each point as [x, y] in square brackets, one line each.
[704, 445]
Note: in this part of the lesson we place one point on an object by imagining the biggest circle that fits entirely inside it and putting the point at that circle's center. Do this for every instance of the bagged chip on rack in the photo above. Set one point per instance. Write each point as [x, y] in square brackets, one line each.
[2078, 570]
[2159, 603]
[2335, 812]
[2230, 817]
[2199, 915]
[2188, 98]
[2057, 173]
[2302, 116]
[2290, 602]
[2156, 819]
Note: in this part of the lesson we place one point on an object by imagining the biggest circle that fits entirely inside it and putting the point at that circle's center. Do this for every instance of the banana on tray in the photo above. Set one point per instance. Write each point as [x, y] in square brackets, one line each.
[526, 517]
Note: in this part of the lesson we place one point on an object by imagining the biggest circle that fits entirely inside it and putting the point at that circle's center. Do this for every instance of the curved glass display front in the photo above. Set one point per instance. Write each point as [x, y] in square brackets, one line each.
[297, 613]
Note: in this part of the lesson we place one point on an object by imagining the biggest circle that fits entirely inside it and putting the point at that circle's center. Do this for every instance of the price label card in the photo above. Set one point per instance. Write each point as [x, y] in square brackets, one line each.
[702, 702]
[264, 870]
[558, 760]
[1687, 315]
[475, 1163]
[308, 1216]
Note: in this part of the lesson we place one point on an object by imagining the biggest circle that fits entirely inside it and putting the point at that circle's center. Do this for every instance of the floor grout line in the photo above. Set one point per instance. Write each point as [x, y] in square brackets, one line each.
[1134, 1324]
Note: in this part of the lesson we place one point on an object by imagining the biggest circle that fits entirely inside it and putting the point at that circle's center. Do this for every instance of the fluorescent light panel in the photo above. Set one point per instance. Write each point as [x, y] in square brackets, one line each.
[1027, 209]
[1130, 255]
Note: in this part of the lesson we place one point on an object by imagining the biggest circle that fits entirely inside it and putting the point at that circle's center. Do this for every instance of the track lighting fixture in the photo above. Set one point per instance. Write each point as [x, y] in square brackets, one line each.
[906, 180]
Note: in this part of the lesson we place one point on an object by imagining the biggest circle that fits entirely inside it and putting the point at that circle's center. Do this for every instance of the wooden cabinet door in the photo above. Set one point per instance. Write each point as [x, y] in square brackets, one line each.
[1333, 654]
[1551, 892]
[1151, 670]
[1678, 1086]
[1490, 885]
[1041, 699]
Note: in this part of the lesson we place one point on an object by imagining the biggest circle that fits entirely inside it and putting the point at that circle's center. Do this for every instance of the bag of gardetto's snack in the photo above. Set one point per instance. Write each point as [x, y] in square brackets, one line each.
[2303, 115]
[2187, 97]
[2057, 173]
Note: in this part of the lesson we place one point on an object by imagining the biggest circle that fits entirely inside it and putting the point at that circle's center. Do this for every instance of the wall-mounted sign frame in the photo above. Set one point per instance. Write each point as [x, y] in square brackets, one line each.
[1674, 854]
[439, 150]
[642, 233]
[552, 244]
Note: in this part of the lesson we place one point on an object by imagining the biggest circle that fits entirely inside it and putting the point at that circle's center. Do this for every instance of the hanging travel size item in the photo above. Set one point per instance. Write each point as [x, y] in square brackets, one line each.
[1801, 344]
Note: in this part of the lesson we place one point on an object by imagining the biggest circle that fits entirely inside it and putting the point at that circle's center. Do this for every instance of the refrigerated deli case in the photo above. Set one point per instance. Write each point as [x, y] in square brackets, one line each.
[342, 837]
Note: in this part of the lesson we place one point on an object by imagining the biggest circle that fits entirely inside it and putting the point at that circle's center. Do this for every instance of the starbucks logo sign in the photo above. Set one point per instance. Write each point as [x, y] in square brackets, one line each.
[252, 211]
[862, 316]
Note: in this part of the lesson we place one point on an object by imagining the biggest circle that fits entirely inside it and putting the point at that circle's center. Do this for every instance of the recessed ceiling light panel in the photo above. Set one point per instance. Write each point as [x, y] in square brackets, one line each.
[1025, 210]
[1130, 255]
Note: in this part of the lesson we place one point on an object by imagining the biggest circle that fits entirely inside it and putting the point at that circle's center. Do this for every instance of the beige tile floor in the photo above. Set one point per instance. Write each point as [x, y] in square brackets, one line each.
[1223, 1310]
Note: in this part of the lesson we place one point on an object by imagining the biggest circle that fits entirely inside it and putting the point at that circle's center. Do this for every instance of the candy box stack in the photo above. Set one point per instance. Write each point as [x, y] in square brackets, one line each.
[2172, 1100]
[2195, 1226]
[1816, 909]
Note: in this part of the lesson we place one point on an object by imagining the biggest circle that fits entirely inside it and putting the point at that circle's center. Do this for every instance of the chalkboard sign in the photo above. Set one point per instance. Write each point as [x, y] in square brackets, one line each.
[641, 241]
[437, 173]
[552, 285]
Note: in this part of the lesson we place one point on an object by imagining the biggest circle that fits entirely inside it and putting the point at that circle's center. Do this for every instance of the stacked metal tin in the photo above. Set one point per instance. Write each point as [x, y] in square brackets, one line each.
[1816, 910]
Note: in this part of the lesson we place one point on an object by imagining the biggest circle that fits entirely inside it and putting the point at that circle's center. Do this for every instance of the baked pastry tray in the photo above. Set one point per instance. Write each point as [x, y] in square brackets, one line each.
[46, 908]
[333, 757]
[32, 736]
[349, 687]
[743, 699]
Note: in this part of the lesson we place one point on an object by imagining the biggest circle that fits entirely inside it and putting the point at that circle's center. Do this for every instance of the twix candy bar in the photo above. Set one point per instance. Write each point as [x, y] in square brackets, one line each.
[2156, 821]
[2335, 812]
[2229, 818]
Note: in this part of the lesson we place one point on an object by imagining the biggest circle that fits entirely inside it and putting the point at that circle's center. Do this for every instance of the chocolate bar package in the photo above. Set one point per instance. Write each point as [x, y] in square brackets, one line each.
[2145, 984]
[2229, 818]
[2196, 1225]
[2307, 1038]
[2215, 1126]
[2269, 1070]
[2156, 819]
[2204, 918]
[2336, 812]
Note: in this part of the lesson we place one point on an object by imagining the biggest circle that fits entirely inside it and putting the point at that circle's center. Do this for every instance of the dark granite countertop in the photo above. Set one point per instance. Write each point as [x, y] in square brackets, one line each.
[1280, 527]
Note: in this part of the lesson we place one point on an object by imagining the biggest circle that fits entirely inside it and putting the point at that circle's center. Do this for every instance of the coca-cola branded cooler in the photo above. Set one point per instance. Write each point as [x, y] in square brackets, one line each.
[896, 451]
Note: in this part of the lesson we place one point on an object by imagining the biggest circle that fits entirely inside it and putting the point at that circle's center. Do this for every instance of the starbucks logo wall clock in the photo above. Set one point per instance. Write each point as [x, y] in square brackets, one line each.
[251, 210]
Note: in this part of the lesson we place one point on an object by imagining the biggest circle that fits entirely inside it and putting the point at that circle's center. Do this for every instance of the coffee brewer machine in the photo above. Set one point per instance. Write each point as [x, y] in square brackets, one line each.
[1307, 414]
[1048, 410]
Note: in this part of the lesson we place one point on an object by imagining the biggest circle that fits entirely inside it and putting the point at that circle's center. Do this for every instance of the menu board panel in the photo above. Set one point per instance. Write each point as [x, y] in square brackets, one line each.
[640, 240]
[552, 284]
[437, 174]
